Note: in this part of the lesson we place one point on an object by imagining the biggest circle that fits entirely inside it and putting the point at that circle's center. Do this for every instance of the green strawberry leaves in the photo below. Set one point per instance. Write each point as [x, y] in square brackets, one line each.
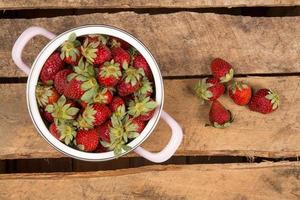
[274, 98]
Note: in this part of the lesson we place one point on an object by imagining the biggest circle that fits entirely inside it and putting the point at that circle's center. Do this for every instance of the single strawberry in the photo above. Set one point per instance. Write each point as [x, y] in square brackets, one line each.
[130, 82]
[140, 125]
[240, 93]
[52, 65]
[93, 115]
[141, 106]
[219, 116]
[70, 51]
[47, 116]
[61, 81]
[45, 95]
[103, 96]
[145, 89]
[64, 132]
[53, 130]
[95, 53]
[264, 101]
[109, 74]
[82, 83]
[62, 110]
[117, 42]
[140, 62]
[120, 56]
[146, 117]
[209, 89]
[116, 103]
[87, 140]
[103, 131]
[221, 70]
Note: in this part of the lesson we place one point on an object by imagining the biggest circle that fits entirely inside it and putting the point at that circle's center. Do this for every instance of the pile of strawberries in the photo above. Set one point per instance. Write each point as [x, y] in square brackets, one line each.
[210, 89]
[96, 93]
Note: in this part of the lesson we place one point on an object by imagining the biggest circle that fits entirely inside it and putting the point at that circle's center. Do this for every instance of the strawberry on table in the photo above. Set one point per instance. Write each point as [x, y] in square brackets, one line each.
[95, 52]
[52, 65]
[221, 70]
[209, 89]
[264, 101]
[240, 93]
[70, 51]
[61, 81]
[109, 74]
[87, 140]
[45, 95]
[219, 116]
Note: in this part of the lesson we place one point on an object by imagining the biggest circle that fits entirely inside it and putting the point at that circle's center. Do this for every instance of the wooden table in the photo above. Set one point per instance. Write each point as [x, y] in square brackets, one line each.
[184, 36]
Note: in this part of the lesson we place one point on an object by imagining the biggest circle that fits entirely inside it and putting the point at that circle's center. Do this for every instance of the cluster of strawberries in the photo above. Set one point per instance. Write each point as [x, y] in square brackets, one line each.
[210, 89]
[96, 93]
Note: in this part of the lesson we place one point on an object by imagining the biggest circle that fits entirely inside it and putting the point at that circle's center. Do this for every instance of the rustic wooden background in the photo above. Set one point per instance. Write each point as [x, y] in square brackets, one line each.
[256, 158]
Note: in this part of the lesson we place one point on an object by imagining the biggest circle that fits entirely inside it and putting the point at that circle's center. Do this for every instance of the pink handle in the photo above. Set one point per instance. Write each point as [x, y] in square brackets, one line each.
[21, 42]
[171, 147]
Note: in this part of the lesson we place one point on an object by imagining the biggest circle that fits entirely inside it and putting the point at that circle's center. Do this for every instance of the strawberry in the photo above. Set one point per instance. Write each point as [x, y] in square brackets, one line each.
[140, 62]
[209, 89]
[47, 116]
[46, 95]
[140, 125]
[62, 110]
[116, 103]
[104, 96]
[117, 42]
[130, 82]
[141, 106]
[82, 83]
[147, 116]
[145, 89]
[221, 70]
[95, 53]
[100, 149]
[64, 132]
[53, 130]
[102, 39]
[103, 131]
[70, 51]
[60, 80]
[52, 65]
[120, 56]
[109, 74]
[264, 101]
[87, 140]
[240, 93]
[93, 115]
[219, 116]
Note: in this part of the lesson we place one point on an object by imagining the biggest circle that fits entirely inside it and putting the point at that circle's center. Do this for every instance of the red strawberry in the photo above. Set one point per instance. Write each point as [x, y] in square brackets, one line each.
[139, 124]
[240, 93]
[73, 89]
[103, 131]
[219, 116]
[131, 80]
[104, 96]
[52, 65]
[70, 51]
[140, 62]
[145, 89]
[117, 42]
[60, 80]
[142, 108]
[93, 115]
[83, 104]
[120, 56]
[264, 101]
[109, 74]
[102, 39]
[46, 95]
[209, 89]
[100, 149]
[222, 70]
[95, 53]
[53, 130]
[48, 116]
[64, 132]
[87, 140]
[116, 103]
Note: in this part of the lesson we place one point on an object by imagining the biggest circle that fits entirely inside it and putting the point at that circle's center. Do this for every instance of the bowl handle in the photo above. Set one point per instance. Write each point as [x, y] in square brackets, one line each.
[170, 148]
[21, 42]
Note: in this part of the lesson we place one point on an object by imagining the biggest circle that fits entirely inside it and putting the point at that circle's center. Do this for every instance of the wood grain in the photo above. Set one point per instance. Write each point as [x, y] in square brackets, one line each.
[56, 4]
[183, 43]
[251, 134]
[274, 181]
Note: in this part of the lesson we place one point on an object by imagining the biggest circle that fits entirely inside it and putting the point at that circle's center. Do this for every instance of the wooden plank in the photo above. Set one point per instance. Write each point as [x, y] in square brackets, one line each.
[81, 166]
[56, 4]
[251, 134]
[184, 43]
[274, 181]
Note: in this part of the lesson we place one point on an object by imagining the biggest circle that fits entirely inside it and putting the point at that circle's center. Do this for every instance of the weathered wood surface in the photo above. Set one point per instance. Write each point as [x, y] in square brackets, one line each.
[184, 43]
[56, 4]
[251, 134]
[274, 181]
